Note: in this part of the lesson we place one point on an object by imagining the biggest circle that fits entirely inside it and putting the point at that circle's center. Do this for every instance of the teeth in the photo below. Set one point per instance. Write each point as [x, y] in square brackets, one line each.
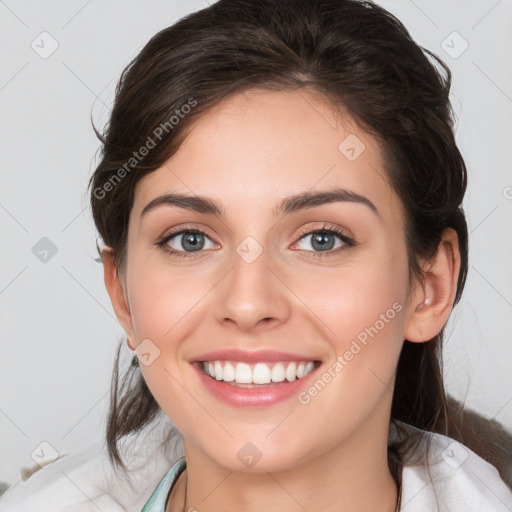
[228, 373]
[291, 372]
[243, 373]
[259, 373]
[278, 373]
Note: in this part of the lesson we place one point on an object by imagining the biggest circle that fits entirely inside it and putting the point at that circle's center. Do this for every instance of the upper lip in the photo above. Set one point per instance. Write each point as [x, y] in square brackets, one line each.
[253, 356]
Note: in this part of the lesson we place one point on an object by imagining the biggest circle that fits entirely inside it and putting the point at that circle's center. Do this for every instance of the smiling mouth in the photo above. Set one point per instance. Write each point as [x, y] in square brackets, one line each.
[259, 374]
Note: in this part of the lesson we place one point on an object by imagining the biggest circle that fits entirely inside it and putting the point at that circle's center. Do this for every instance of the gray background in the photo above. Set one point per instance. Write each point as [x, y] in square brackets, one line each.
[57, 327]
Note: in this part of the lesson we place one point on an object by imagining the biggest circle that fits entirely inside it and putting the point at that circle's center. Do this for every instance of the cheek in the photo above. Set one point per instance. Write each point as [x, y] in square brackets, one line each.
[162, 302]
[360, 311]
[361, 314]
[369, 289]
[165, 307]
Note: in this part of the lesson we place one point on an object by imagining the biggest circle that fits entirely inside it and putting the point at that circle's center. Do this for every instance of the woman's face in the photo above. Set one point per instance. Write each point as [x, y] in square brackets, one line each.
[256, 279]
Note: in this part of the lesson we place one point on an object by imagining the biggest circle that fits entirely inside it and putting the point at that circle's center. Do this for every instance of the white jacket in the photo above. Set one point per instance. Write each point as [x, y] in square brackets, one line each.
[457, 480]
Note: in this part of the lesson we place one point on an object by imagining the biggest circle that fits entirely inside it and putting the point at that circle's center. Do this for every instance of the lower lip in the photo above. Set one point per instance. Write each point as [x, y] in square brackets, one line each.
[253, 397]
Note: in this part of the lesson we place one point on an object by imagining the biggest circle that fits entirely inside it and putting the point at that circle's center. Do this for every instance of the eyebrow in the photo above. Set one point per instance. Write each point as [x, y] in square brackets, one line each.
[288, 205]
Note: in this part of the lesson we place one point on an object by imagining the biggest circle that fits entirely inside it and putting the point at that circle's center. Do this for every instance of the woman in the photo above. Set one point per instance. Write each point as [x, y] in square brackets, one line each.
[280, 197]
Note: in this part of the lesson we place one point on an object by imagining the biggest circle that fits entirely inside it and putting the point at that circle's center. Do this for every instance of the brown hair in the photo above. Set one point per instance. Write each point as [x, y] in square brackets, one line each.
[357, 55]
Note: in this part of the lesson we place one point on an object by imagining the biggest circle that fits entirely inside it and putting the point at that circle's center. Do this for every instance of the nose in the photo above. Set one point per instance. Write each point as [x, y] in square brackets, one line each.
[252, 297]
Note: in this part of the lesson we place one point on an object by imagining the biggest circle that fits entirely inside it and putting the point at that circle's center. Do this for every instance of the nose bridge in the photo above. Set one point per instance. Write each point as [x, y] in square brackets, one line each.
[251, 292]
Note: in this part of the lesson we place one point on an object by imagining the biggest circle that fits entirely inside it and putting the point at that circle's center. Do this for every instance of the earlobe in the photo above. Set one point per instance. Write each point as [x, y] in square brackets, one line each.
[432, 303]
[117, 293]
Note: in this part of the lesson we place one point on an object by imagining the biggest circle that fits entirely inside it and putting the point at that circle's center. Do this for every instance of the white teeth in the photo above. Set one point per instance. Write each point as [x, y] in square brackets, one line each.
[228, 373]
[218, 370]
[278, 373]
[291, 372]
[259, 373]
[243, 373]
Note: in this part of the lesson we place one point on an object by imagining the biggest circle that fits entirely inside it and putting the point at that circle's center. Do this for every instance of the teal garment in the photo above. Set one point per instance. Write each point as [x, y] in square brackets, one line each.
[158, 499]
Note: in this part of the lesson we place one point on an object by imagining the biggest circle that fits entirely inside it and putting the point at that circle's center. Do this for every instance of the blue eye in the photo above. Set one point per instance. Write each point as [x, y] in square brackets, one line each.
[323, 241]
[194, 241]
[191, 242]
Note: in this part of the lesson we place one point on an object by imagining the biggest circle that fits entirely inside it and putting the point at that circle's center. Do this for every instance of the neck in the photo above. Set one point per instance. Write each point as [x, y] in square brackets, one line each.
[351, 476]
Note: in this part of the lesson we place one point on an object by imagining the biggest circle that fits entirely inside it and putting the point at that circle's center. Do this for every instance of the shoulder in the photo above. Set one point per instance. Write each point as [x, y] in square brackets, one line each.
[85, 481]
[74, 480]
[447, 476]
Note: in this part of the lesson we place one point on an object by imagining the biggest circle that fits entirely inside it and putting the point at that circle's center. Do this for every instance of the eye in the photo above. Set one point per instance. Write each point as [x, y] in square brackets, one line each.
[185, 242]
[323, 241]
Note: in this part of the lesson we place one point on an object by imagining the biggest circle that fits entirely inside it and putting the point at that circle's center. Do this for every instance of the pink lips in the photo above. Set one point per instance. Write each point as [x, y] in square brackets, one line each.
[261, 396]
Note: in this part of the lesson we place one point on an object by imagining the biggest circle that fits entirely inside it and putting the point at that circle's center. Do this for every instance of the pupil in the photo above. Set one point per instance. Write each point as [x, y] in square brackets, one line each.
[321, 239]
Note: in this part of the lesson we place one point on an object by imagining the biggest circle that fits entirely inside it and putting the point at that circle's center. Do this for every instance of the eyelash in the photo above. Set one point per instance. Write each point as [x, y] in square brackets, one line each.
[348, 241]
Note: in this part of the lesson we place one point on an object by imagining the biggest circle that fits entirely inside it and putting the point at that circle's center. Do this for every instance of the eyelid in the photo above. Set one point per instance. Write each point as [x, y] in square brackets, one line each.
[187, 227]
[325, 226]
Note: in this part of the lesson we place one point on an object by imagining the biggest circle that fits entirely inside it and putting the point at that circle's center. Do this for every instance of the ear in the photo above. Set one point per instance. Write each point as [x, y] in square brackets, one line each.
[431, 303]
[117, 294]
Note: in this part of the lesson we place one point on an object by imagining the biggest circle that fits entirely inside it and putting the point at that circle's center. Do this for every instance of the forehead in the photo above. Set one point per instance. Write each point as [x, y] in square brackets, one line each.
[257, 146]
